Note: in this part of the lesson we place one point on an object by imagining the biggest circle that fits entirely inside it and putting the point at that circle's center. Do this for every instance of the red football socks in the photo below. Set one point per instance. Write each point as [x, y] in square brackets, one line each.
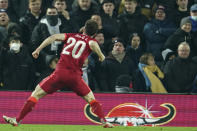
[97, 109]
[28, 107]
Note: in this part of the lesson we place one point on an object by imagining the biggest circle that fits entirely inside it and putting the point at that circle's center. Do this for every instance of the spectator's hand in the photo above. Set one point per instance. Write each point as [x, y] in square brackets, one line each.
[66, 14]
[159, 72]
[102, 58]
[35, 54]
[1, 84]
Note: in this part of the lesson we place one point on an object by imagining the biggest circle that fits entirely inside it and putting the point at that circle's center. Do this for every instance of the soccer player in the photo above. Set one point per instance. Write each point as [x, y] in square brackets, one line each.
[68, 71]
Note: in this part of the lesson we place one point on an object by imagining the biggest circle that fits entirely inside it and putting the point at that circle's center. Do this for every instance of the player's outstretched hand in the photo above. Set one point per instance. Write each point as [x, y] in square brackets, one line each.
[35, 54]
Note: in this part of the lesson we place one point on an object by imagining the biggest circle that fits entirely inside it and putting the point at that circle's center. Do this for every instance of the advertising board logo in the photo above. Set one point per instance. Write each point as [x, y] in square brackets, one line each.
[132, 114]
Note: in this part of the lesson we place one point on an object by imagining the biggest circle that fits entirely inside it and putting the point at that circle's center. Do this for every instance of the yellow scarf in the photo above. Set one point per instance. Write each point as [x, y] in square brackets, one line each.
[156, 85]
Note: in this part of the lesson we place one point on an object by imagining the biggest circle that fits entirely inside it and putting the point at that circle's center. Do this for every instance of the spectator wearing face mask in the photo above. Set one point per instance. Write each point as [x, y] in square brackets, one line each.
[51, 24]
[17, 68]
[193, 17]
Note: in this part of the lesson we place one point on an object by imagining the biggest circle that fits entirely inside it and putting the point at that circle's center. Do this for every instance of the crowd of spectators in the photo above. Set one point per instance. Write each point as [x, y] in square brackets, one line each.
[149, 45]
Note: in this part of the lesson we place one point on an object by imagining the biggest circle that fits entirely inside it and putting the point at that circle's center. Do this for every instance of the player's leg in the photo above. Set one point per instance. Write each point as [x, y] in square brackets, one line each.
[48, 85]
[28, 106]
[78, 85]
[31, 102]
[97, 108]
[95, 105]
[82, 89]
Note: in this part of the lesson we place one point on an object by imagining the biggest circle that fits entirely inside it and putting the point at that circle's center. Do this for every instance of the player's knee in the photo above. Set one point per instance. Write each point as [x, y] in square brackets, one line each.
[90, 99]
[38, 93]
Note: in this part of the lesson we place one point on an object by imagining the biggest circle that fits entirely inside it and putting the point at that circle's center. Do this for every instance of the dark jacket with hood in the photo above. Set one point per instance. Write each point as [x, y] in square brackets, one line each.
[17, 70]
[27, 24]
[180, 74]
[176, 38]
[110, 26]
[131, 23]
[79, 17]
[113, 69]
[135, 54]
[39, 34]
[156, 33]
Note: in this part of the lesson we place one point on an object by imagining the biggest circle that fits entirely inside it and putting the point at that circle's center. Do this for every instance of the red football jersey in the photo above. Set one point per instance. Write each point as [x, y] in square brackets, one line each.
[76, 49]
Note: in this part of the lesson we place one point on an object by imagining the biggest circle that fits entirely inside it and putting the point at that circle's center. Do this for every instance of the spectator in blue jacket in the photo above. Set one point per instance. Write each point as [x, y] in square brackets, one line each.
[157, 31]
[193, 18]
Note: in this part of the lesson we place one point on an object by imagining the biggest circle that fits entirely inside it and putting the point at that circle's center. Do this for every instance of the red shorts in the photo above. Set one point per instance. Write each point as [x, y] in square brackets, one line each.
[60, 79]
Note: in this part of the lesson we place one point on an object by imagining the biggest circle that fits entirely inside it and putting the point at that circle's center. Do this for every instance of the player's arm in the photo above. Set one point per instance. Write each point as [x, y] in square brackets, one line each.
[95, 48]
[48, 41]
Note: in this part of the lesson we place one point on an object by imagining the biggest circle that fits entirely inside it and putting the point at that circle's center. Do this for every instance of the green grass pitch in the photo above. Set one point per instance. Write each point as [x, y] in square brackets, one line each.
[28, 127]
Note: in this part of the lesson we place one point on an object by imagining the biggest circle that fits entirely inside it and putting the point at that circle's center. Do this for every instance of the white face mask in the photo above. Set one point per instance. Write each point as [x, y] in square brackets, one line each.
[15, 47]
[194, 18]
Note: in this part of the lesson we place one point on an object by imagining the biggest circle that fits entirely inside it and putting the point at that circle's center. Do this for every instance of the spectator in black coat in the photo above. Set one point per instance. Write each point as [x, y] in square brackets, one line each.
[48, 26]
[4, 22]
[116, 3]
[64, 15]
[181, 71]
[109, 19]
[131, 21]
[82, 11]
[135, 48]
[5, 5]
[180, 35]
[180, 12]
[17, 9]
[8, 28]
[31, 19]
[17, 68]
[193, 18]
[116, 63]
[94, 65]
